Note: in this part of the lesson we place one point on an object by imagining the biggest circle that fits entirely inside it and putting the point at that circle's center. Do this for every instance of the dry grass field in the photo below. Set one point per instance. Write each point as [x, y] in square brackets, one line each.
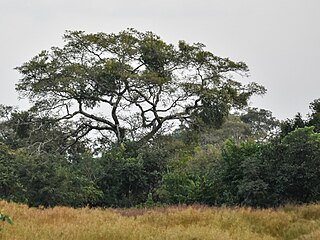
[291, 222]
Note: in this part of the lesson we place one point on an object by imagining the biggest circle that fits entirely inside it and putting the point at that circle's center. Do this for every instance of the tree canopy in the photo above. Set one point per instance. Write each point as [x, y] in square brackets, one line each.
[131, 85]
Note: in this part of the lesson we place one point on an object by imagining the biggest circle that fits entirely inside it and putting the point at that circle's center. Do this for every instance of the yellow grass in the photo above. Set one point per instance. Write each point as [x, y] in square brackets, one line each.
[193, 223]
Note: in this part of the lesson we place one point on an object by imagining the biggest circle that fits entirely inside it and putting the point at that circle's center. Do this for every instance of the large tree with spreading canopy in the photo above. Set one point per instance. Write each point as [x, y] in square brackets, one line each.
[131, 85]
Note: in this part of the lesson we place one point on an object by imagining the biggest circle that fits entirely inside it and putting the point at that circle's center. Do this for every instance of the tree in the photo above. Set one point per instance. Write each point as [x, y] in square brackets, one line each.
[11, 188]
[6, 130]
[121, 178]
[314, 116]
[299, 171]
[290, 125]
[313, 120]
[25, 129]
[234, 179]
[261, 122]
[131, 85]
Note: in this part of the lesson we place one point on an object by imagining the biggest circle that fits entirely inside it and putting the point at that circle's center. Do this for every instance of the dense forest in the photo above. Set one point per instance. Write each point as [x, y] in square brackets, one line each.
[122, 120]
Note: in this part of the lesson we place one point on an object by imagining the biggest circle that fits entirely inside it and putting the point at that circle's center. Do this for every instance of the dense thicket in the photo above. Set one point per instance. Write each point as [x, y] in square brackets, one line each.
[226, 166]
[222, 153]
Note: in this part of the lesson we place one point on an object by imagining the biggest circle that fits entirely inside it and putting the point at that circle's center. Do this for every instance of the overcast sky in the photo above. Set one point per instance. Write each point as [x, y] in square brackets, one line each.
[278, 39]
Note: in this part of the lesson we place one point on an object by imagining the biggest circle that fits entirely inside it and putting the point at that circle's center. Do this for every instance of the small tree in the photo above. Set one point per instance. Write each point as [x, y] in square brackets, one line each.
[314, 116]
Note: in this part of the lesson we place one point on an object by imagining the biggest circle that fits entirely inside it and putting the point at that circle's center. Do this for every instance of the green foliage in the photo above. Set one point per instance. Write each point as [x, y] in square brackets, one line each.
[297, 172]
[37, 135]
[181, 168]
[186, 179]
[122, 179]
[280, 172]
[50, 181]
[140, 82]
[261, 123]
[11, 186]
[5, 218]
[103, 130]
[228, 185]
[129, 174]
[44, 180]
[292, 124]
[149, 202]
[298, 122]
[314, 117]
[232, 129]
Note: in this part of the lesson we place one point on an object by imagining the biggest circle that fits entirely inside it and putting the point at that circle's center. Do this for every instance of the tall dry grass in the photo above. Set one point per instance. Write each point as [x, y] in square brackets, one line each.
[292, 222]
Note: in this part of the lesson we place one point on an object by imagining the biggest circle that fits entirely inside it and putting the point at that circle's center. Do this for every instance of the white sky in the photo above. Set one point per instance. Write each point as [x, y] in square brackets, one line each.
[278, 39]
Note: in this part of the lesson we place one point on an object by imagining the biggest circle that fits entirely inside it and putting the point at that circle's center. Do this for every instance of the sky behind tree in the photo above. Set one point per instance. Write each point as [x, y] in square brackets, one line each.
[278, 39]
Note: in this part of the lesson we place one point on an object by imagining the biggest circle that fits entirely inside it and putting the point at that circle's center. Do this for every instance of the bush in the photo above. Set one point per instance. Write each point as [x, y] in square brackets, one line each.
[286, 170]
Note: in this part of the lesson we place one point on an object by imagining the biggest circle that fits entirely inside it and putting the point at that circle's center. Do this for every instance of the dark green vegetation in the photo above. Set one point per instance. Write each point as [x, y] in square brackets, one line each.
[126, 120]
[5, 218]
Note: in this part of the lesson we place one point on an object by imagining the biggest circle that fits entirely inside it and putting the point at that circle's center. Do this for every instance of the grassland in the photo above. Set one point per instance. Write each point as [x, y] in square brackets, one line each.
[193, 223]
